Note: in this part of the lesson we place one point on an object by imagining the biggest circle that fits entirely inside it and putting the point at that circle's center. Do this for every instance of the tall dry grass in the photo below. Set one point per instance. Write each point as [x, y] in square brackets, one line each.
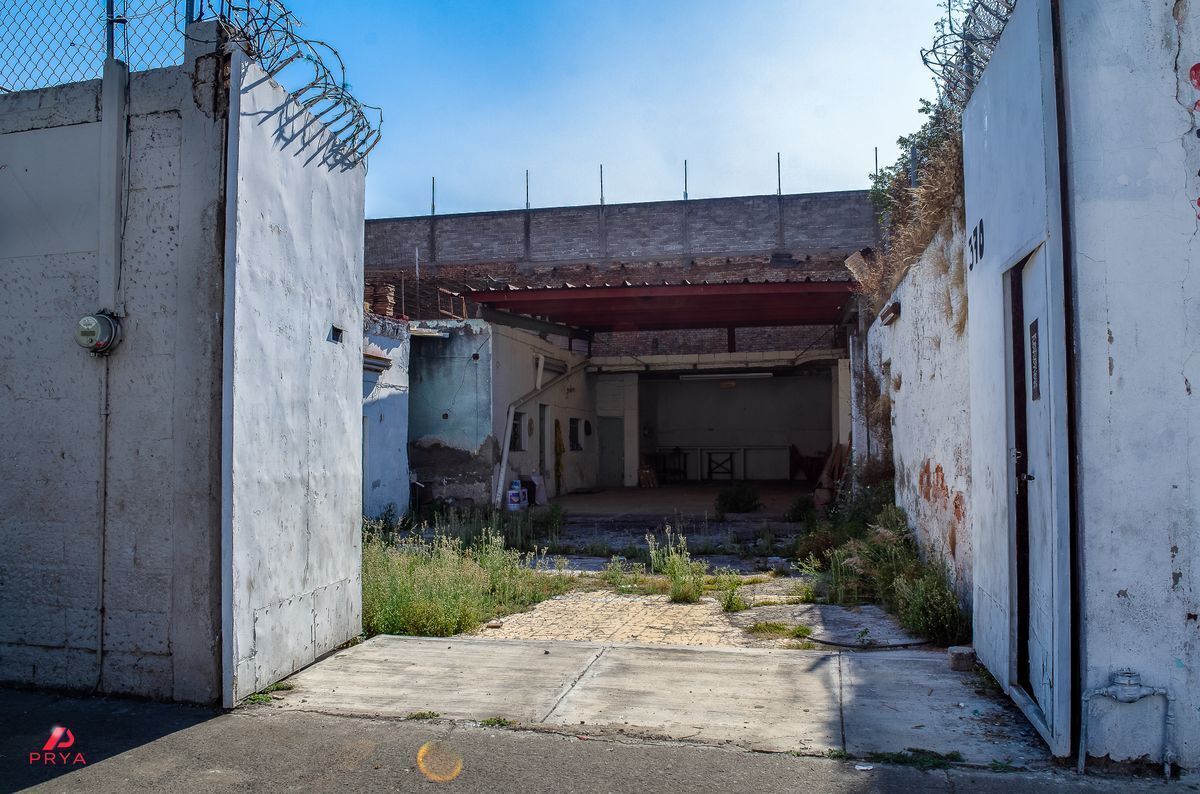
[915, 214]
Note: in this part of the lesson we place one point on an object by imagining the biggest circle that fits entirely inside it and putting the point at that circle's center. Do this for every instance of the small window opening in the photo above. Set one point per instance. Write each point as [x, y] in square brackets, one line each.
[336, 334]
[516, 439]
[576, 438]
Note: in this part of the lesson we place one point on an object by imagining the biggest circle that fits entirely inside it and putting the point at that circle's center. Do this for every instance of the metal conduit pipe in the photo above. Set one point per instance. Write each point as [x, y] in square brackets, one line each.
[512, 409]
[1125, 686]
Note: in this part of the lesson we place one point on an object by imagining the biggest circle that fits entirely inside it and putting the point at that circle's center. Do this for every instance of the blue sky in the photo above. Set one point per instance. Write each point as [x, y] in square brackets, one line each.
[476, 92]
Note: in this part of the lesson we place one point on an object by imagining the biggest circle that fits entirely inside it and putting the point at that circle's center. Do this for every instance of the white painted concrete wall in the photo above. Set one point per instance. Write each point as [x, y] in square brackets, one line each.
[514, 374]
[292, 402]
[1133, 181]
[385, 418]
[927, 380]
[1132, 188]
[155, 522]
[1009, 143]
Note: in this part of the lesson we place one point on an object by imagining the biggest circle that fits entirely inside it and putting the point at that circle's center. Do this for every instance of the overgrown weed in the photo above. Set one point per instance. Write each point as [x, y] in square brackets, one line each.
[445, 585]
[672, 559]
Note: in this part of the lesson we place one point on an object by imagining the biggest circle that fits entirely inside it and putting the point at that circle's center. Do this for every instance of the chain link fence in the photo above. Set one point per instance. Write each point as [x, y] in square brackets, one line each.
[50, 42]
[45, 43]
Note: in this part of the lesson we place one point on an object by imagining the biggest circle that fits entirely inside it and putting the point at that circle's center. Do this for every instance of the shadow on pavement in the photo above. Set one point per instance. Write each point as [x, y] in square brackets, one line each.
[100, 728]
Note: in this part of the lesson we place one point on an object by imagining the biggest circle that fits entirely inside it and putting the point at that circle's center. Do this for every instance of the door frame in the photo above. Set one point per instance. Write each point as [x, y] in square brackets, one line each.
[1057, 723]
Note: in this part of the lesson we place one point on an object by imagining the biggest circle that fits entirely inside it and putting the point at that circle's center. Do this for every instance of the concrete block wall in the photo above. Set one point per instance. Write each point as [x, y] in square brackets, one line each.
[762, 238]
[920, 361]
[145, 621]
[797, 223]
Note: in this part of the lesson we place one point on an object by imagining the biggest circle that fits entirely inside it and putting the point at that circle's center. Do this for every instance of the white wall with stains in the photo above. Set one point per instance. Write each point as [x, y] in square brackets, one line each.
[385, 417]
[920, 360]
[291, 495]
[1131, 83]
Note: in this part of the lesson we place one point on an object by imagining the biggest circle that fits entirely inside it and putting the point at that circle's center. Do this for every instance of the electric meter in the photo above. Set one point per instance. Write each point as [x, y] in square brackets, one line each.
[98, 333]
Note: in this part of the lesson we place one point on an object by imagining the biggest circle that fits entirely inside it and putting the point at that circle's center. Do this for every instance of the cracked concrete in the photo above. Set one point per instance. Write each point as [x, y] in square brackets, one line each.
[765, 699]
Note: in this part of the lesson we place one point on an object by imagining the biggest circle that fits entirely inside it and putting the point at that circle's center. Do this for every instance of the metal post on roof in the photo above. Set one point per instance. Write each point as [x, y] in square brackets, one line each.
[110, 21]
[778, 174]
[685, 180]
[526, 188]
[417, 265]
[433, 195]
[602, 184]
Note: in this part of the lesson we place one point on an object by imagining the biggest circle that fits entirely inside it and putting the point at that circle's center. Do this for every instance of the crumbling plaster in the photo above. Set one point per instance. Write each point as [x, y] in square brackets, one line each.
[925, 348]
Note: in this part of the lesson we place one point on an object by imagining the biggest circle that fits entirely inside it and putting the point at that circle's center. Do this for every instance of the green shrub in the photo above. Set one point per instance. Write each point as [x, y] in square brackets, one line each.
[802, 511]
[877, 560]
[816, 542]
[854, 508]
[728, 583]
[741, 497]
[614, 573]
[672, 559]
[622, 575]
[928, 606]
[444, 586]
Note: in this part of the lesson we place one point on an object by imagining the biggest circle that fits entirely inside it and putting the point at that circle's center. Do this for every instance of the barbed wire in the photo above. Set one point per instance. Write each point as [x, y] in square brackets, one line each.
[964, 45]
[267, 30]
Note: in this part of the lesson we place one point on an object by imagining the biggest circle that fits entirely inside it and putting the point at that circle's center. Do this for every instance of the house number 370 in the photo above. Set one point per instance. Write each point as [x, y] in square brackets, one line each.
[975, 245]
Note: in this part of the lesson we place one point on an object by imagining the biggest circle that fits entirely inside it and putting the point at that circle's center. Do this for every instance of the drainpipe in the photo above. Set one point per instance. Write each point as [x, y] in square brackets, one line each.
[1126, 687]
[508, 420]
[114, 131]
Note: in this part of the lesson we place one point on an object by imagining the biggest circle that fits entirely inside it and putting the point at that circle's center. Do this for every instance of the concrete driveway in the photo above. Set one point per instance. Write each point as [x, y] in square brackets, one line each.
[760, 699]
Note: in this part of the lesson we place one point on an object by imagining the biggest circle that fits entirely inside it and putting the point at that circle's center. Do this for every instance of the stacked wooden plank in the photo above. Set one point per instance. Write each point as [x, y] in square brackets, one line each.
[382, 299]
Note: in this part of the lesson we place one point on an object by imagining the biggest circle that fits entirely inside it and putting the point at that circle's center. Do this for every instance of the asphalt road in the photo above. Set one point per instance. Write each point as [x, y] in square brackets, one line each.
[134, 746]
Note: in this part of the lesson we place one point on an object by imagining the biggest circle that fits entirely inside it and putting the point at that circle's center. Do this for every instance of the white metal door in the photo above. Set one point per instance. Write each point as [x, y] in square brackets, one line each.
[1034, 478]
[1017, 342]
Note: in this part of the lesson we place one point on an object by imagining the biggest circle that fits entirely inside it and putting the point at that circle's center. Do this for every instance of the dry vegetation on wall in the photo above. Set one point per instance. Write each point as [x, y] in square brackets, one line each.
[912, 216]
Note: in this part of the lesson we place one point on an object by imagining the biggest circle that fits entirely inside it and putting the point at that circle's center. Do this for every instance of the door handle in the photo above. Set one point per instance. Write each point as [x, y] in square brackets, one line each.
[1025, 477]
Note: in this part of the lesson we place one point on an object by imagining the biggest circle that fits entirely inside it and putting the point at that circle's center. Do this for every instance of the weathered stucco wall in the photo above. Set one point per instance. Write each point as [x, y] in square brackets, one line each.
[514, 374]
[452, 449]
[920, 360]
[292, 402]
[1134, 187]
[154, 519]
[385, 418]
